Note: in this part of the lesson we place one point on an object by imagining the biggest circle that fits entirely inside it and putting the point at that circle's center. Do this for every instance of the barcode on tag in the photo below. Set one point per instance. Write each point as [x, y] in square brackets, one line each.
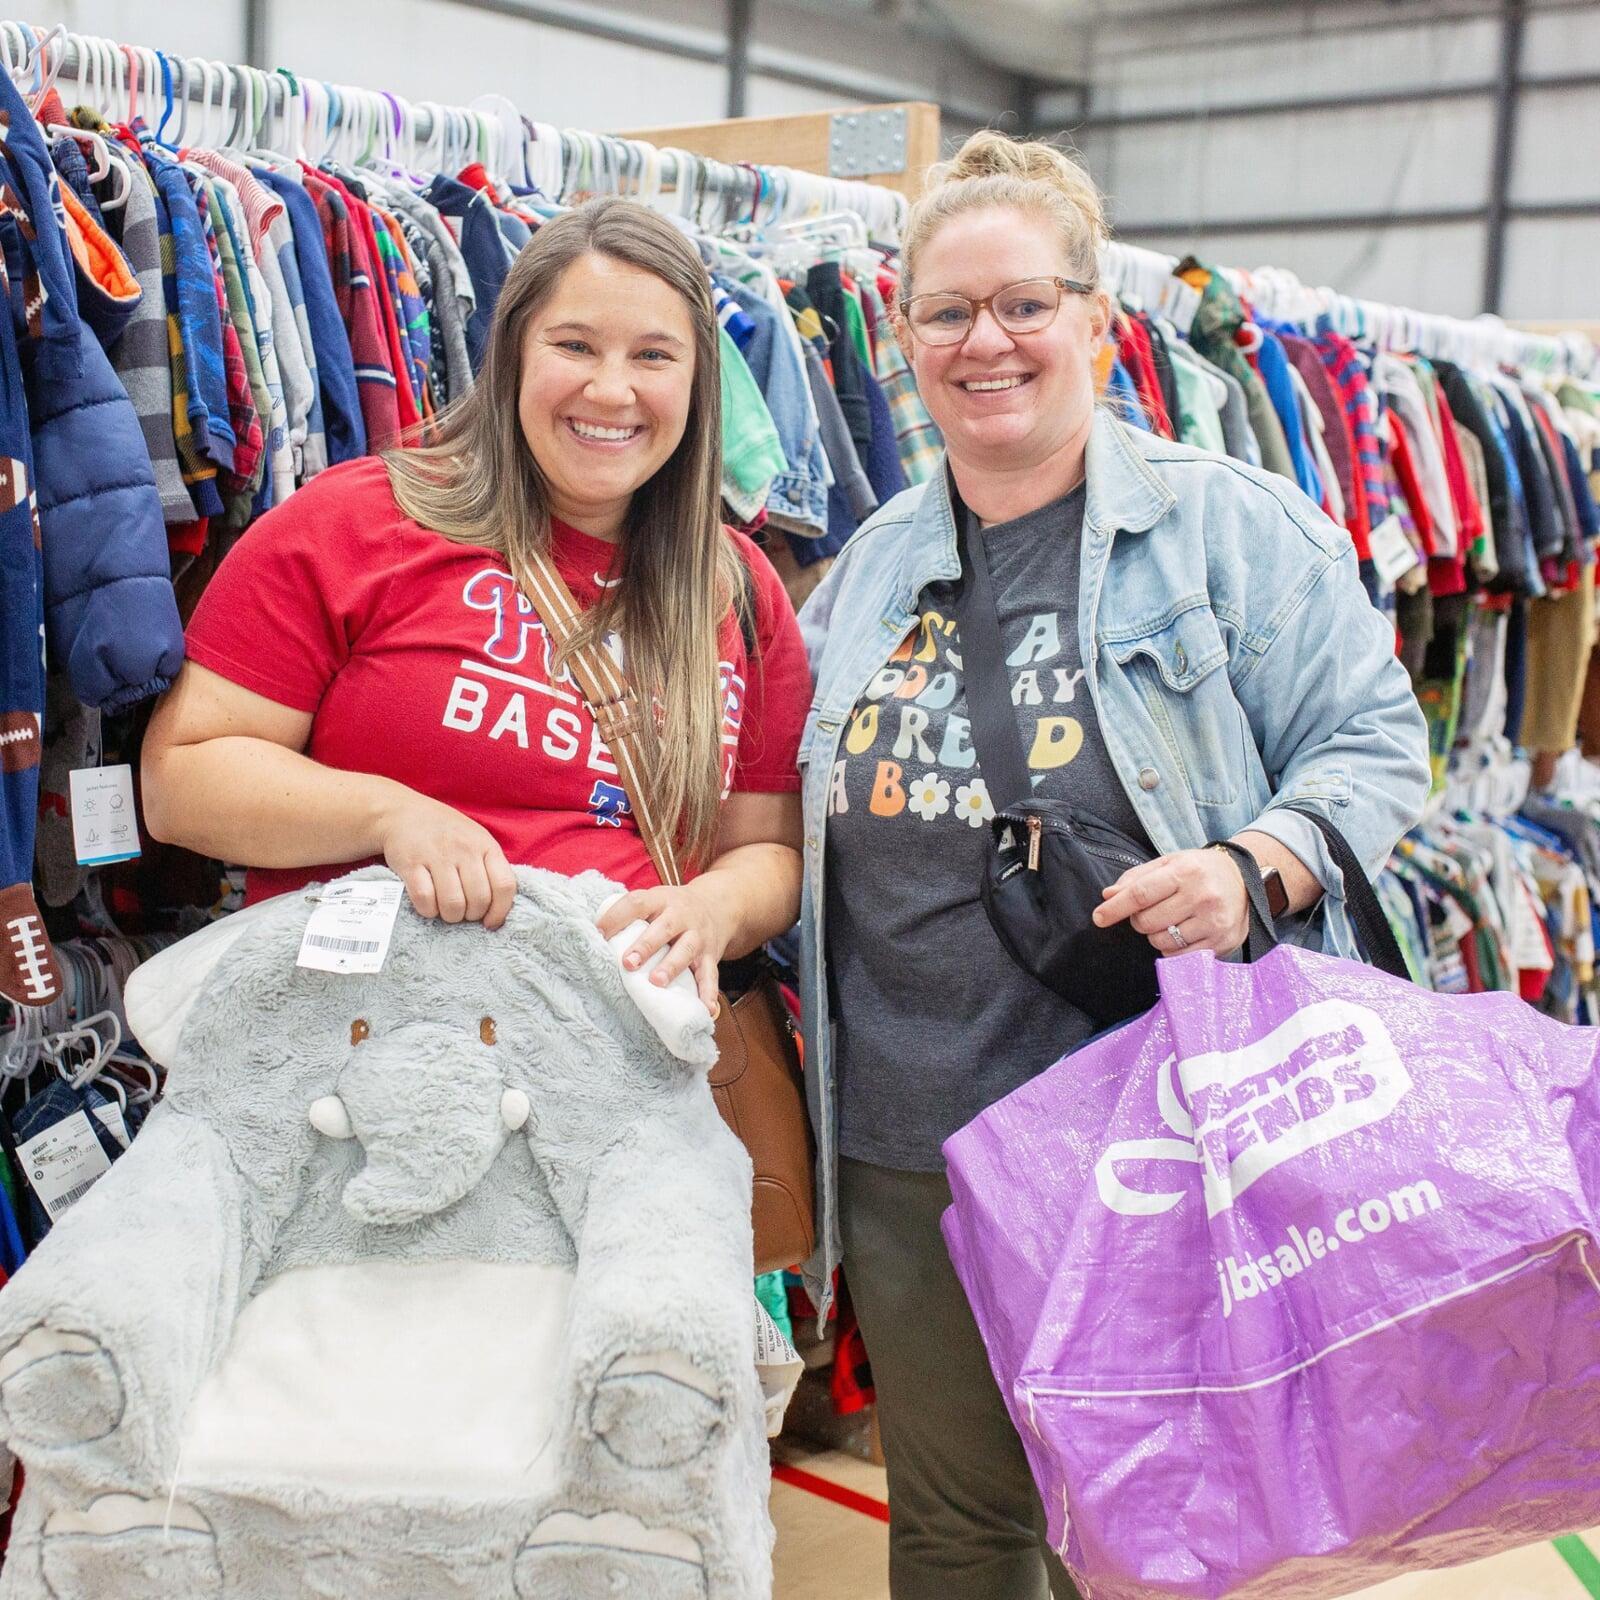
[350, 929]
[348, 947]
[71, 1197]
[64, 1162]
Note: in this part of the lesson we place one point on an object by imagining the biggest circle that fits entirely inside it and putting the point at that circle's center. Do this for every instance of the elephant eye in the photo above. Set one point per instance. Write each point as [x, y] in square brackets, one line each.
[359, 1031]
[486, 1031]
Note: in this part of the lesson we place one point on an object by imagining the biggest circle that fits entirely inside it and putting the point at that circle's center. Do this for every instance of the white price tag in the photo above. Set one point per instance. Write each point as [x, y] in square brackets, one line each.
[778, 1365]
[1180, 303]
[104, 827]
[110, 1118]
[64, 1163]
[1392, 554]
[1529, 952]
[350, 929]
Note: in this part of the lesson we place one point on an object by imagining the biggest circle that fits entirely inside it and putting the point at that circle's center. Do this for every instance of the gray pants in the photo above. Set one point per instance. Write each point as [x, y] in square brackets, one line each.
[965, 1520]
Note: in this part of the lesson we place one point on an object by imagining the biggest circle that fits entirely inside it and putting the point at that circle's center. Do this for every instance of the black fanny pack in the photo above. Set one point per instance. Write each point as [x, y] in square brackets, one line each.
[1049, 861]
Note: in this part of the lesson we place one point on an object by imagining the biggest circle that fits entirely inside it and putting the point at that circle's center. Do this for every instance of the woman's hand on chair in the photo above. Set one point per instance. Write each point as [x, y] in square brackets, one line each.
[687, 921]
[452, 867]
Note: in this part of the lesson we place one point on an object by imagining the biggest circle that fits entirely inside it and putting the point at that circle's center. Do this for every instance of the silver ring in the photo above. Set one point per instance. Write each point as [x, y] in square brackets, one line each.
[1177, 938]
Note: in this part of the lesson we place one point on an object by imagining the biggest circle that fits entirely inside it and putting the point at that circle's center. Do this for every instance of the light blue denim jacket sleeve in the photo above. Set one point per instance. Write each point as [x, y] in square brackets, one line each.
[1235, 663]
[799, 495]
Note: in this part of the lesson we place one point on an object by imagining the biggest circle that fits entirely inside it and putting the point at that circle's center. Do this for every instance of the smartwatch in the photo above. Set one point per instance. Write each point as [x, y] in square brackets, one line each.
[1277, 894]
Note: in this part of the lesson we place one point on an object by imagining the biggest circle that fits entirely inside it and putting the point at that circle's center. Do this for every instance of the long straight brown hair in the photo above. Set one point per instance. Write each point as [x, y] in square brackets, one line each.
[475, 481]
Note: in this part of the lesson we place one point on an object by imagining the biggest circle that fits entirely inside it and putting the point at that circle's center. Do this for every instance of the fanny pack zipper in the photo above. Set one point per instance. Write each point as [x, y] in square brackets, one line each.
[1035, 825]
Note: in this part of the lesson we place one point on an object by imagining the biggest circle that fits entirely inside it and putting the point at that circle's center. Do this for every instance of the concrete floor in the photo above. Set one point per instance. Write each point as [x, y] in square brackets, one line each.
[828, 1551]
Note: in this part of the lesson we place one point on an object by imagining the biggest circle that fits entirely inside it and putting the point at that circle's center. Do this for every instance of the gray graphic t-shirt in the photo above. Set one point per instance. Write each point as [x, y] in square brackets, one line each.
[935, 1021]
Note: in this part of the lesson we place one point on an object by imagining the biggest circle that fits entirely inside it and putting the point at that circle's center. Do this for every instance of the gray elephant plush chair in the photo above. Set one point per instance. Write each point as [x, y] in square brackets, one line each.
[426, 1285]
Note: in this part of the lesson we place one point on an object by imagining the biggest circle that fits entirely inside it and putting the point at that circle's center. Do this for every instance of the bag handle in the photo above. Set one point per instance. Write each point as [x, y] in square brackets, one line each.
[1361, 899]
[611, 701]
[1261, 937]
[995, 735]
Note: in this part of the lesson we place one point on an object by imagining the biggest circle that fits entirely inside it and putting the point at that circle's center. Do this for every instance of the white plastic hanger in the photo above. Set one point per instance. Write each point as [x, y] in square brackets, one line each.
[13, 48]
[49, 56]
[505, 125]
[56, 1047]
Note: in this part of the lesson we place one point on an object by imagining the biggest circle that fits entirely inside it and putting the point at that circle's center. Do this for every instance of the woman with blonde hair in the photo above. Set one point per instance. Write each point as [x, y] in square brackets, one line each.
[1186, 651]
[368, 679]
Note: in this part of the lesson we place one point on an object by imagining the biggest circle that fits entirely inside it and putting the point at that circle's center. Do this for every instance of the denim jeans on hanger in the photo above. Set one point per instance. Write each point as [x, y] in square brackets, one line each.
[57, 1101]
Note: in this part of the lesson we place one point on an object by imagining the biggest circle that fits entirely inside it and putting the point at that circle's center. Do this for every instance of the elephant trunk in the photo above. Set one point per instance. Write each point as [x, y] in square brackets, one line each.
[427, 1109]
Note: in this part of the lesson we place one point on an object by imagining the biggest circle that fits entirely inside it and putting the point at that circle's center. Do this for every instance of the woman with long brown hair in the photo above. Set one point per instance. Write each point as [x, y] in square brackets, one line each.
[368, 679]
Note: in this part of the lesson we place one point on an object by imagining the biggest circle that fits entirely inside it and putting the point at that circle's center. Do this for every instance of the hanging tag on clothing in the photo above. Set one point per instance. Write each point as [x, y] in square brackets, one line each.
[1180, 302]
[104, 826]
[1530, 946]
[778, 1366]
[1392, 554]
[63, 1163]
[351, 927]
[109, 1117]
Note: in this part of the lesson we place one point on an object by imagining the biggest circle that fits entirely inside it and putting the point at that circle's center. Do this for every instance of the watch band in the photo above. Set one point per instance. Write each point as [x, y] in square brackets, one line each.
[1276, 891]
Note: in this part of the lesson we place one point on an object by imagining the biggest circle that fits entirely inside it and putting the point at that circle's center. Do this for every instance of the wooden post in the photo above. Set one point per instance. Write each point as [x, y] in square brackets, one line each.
[802, 142]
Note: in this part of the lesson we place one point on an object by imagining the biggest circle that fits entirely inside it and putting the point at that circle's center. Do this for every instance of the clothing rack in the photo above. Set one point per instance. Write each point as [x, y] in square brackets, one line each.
[190, 100]
[1146, 276]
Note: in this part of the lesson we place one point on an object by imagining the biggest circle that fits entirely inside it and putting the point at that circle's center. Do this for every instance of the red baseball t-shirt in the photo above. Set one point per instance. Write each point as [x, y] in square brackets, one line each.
[420, 661]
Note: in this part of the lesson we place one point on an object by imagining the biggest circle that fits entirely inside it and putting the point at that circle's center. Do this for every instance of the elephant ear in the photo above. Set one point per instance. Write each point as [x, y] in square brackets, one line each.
[160, 994]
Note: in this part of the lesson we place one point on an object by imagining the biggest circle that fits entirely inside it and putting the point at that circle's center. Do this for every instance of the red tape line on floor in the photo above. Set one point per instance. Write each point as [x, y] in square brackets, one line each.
[825, 1489]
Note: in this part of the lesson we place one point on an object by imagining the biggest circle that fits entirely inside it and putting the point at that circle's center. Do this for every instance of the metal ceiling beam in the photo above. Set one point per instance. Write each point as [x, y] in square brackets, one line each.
[1508, 88]
[256, 13]
[1488, 11]
[740, 13]
[1367, 99]
[1312, 223]
[1439, 216]
[1311, 12]
[1361, 100]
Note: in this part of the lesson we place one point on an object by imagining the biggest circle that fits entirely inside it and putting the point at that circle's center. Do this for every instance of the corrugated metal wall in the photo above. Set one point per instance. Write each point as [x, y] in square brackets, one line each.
[1213, 142]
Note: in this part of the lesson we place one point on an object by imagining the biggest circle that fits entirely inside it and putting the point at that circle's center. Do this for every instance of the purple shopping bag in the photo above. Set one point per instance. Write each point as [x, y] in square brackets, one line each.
[1292, 1285]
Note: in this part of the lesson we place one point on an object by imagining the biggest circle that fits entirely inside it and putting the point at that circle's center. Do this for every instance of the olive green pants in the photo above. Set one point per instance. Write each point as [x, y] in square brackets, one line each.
[965, 1520]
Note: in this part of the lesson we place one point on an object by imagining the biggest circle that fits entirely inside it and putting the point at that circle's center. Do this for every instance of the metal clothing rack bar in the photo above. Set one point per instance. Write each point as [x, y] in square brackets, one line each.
[190, 100]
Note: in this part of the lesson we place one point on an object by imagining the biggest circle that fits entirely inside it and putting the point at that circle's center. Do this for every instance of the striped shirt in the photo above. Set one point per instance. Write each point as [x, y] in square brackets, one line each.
[1349, 372]
[919, 440]
[357, 299]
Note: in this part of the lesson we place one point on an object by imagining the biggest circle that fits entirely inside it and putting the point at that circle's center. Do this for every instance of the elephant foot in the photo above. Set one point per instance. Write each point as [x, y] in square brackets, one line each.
[132, 1549]
[572, 1557]
[59, 1389]
[655, 1411]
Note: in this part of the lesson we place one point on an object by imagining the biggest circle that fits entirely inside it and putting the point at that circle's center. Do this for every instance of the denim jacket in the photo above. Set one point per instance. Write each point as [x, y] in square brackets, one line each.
[1235, 664]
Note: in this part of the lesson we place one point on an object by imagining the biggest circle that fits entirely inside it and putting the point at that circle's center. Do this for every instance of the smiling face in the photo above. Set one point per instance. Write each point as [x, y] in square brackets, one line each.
[1006, 402]
[608, 368]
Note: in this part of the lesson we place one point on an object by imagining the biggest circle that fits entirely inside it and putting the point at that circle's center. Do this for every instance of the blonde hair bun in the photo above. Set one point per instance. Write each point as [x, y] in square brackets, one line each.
[993, 169]
[992, 154]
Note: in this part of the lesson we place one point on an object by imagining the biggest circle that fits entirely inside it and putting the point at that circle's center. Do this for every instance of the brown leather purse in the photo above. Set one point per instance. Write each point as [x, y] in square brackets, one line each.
[756, 1080]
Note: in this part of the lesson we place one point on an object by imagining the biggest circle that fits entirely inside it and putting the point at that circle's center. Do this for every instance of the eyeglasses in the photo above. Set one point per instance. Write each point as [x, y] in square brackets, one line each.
[1020, 308]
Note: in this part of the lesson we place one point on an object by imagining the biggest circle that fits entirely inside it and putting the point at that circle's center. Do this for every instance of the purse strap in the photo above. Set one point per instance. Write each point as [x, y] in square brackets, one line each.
[995, 735]
[998, 742]
[611, 701]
